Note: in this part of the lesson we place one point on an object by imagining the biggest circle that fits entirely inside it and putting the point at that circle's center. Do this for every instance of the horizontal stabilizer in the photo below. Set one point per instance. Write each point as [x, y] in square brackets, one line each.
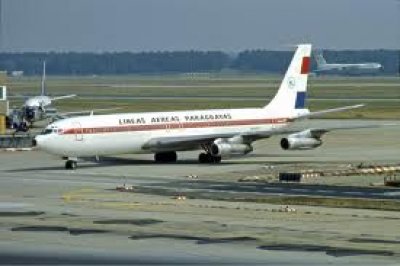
[63, 97]
[318, 132]
[334, 110]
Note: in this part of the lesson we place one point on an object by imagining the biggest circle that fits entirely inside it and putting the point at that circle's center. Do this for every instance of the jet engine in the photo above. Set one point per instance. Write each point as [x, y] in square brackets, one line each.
[231, 146]
[304, 140]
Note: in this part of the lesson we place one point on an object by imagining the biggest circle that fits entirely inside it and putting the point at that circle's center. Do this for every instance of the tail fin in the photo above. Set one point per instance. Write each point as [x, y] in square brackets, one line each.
[291, 95]
[43, 89]
[319, 58]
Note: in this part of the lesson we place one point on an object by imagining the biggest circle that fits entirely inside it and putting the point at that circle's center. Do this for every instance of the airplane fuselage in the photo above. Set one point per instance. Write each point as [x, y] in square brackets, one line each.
[39, 107]
[356, 69]
[133, 132]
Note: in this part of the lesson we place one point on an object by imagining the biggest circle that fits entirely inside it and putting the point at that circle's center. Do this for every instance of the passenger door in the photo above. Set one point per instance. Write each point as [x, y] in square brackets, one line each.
[78, 131]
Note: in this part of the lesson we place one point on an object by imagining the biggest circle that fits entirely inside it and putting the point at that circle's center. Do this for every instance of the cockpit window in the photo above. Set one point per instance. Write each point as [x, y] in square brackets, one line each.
[47, 131]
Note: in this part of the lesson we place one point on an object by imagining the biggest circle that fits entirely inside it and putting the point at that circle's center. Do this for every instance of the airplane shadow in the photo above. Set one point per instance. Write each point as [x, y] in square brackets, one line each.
[109, 161]
[272, 155]
[112, 161]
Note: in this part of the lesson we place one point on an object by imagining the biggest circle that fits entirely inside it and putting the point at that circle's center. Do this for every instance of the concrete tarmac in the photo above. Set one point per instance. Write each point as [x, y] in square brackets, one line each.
[48, 214]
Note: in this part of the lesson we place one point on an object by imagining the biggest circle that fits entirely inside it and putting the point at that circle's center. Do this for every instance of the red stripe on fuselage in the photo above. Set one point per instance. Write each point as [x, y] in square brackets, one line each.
[185, 125]
[305, 65]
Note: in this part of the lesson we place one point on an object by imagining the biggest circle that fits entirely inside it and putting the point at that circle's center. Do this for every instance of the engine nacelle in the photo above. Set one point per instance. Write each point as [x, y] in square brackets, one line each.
[293, 143]
[226, 149]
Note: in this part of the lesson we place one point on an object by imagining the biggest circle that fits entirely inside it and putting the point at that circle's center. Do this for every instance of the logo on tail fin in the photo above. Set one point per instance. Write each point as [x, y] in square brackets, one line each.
[305, 65]
[300, 100]
[291, 83]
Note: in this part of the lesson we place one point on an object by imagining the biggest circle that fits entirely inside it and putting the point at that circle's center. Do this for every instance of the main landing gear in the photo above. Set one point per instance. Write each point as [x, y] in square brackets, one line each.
[208, 158]
[170, 157]
[71, 164]
[165, 157]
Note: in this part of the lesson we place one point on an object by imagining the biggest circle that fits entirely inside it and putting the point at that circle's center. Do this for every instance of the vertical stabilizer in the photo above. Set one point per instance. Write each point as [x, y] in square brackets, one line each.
[319, 58]
[292, 92]
[43, 89]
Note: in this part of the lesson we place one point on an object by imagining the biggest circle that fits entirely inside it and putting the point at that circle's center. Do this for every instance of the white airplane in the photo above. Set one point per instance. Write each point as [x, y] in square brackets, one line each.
[219, 132]
[349, 69]
[39, 107]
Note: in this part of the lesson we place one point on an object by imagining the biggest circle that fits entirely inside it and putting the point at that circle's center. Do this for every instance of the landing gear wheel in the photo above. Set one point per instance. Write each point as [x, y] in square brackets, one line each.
[71, 165]
[217, 159]
[165, 157]
[203, 158]
[208, 158]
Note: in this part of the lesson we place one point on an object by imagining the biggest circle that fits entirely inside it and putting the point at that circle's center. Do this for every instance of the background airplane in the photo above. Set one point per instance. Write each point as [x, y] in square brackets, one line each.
[345, 69]
[219, 132]
[39, 107]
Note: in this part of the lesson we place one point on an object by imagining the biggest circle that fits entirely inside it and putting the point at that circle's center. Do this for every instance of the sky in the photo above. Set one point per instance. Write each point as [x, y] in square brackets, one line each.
[223, 25]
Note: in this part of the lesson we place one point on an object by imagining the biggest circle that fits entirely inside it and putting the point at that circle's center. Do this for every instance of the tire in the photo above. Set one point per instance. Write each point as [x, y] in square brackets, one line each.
[71, 165]
[217, 159]
[208, 158]
[203, 158]
[158, 157]
[172, 157]
[165, 157]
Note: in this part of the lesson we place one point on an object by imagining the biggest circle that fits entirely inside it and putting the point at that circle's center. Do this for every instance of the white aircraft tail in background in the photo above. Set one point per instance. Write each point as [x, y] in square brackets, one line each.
[39, 107]
[218, 132]
[43, 88]
[319, 58]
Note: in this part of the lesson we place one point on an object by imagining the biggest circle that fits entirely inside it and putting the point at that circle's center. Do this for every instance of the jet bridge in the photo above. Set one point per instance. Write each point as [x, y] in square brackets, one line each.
[8, 141]
[4, 109]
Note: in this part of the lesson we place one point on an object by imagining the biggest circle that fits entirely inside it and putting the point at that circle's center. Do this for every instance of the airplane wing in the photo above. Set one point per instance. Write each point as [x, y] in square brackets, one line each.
[350, 67]
[318, 132]
[182, 143]
[189, 142]
[63, 97]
